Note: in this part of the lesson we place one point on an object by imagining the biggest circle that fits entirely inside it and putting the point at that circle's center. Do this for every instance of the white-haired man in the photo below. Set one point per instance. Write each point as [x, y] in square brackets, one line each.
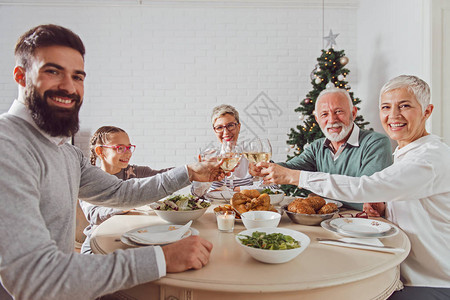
[346, 149]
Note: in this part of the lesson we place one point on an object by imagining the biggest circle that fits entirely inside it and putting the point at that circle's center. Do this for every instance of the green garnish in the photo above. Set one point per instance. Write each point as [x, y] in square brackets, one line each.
[272, 241]
[270, 192]
[182, 203]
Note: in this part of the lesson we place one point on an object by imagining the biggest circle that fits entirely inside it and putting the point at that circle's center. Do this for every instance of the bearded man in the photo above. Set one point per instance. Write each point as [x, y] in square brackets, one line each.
[43, 177]
[346, 149]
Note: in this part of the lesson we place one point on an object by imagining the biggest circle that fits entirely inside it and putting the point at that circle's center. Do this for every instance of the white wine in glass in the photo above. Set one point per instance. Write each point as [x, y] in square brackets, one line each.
[230, 154]
[266, 151]
[256, 157]
[251, 148]
[256, 151]
[230, 162]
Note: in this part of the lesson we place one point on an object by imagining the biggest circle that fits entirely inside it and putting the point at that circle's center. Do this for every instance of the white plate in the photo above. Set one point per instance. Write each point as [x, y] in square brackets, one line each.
[360, 226]
[391, 232]
[129, 242]
[138, 235]
[220, 195]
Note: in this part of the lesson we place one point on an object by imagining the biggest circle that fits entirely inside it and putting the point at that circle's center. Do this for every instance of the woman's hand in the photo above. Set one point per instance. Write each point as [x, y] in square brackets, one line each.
[374, 209]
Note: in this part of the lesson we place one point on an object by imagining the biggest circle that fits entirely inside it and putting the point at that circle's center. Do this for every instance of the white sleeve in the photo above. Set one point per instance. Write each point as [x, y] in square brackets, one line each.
[160, 261]
[398, 182]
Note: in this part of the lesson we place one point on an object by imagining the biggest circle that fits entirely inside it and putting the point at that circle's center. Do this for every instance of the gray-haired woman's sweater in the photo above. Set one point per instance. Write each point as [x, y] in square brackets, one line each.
[40, 183]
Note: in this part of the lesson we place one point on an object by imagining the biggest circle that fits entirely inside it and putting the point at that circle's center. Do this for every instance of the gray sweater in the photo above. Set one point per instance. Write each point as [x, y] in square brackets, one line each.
[39, 186]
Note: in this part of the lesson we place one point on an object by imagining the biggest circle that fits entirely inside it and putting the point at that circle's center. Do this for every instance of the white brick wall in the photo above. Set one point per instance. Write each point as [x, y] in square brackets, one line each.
[157, 70]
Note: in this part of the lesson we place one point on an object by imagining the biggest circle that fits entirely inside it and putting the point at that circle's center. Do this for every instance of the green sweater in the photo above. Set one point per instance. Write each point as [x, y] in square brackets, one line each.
[372, 155]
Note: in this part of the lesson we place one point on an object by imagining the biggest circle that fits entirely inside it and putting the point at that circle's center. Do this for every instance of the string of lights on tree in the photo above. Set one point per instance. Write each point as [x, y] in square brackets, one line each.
[330, 71]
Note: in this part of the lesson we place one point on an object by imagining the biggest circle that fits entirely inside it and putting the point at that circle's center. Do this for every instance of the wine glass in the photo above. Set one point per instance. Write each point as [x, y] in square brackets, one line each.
[256, 151]
[266, 151]
[230, 154]
[208, 152]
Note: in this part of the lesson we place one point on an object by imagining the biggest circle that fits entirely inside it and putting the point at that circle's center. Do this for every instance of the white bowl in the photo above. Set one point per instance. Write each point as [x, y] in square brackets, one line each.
[256, 219]
[275, 256]
[276, 198]
[178, 217]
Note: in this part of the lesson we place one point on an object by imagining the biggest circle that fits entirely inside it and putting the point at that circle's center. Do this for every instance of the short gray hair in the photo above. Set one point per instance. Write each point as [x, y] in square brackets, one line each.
[224, 109]
[419, 88]
[334, 90]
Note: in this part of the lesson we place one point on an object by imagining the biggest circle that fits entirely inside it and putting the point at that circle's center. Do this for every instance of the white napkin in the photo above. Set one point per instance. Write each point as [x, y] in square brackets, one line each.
[366, 244]
[143, 236]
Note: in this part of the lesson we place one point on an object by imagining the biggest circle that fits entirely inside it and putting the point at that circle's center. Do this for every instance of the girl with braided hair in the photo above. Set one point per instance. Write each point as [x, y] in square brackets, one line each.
[111, 145]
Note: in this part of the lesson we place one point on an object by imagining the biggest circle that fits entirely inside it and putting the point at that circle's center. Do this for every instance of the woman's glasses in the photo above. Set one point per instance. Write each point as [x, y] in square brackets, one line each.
[229, 127]
[121, 148]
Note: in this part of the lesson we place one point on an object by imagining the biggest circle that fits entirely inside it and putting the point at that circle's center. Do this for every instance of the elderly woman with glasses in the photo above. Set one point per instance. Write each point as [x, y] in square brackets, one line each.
[415, 190]
[226, 126]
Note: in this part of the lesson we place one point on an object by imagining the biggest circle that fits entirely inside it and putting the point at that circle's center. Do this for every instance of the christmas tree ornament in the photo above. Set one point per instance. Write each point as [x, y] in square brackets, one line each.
[341, 77]
[343, 60]
[331, 39]
[287, 149]
[301, 117]
[318, 80]
[329, 85]
[307, 100]
[292, 146]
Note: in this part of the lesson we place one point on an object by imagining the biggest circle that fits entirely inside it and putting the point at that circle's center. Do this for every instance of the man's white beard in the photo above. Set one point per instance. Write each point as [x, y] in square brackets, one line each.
[337, 137]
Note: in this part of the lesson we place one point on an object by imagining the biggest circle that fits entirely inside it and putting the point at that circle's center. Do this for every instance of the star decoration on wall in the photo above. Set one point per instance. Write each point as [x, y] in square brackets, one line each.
[331, 39]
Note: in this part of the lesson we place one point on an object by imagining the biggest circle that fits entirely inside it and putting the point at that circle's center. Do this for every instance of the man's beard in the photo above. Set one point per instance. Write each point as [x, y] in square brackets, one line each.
[337, 137]
[55, 121]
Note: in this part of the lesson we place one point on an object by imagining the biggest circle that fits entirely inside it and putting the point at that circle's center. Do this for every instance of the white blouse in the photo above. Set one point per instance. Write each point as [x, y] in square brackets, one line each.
[417, 191]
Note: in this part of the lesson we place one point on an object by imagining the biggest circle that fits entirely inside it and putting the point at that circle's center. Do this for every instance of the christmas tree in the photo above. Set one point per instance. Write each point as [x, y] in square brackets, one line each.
[329, 72]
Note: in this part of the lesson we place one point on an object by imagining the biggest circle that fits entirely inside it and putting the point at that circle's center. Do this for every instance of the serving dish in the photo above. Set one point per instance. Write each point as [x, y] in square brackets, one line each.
[255, 219]
[180, 209]
[275, 256]
[307, 219]
[180, 217]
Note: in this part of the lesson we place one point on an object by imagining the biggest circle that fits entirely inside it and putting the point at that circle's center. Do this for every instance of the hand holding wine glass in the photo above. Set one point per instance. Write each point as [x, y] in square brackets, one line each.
[258, 150]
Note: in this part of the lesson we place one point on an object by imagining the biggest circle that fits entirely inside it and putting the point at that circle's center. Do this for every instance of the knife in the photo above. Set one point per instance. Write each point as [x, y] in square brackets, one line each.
[353, 243]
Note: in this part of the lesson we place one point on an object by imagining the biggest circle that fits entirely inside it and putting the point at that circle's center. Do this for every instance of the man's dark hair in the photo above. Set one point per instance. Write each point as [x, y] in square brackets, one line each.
[45, 36]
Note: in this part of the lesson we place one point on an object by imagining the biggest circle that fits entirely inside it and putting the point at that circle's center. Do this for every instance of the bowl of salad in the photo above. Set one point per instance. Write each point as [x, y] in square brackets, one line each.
[273, 245]
[180, 209]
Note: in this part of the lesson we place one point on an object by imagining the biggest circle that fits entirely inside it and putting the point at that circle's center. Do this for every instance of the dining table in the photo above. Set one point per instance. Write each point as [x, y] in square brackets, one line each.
[320, 272]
